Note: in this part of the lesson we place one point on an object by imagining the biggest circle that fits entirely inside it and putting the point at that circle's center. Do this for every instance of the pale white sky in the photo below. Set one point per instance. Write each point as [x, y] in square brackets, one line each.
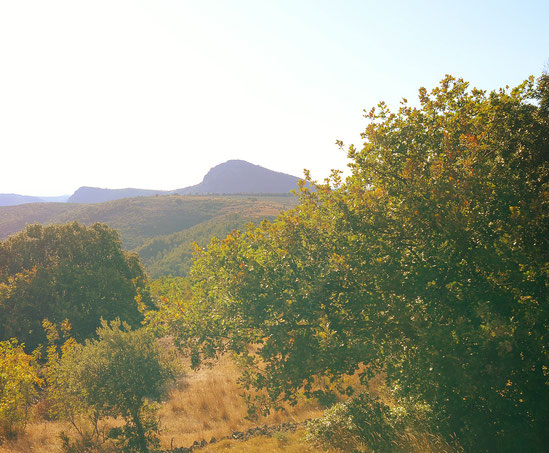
[151, 94]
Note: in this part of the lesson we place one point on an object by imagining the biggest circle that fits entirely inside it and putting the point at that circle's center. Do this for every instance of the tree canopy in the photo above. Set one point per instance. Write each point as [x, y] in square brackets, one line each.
[68, 271]
[427, 265]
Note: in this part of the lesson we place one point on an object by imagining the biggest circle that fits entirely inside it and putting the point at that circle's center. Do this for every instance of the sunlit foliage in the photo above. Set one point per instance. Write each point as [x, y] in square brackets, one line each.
[19, 382]
[118, 375]
[428, 265]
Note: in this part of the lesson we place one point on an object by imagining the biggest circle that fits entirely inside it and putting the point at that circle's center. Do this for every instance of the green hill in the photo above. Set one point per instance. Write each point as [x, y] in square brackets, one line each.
[172, 254]
[160, 228]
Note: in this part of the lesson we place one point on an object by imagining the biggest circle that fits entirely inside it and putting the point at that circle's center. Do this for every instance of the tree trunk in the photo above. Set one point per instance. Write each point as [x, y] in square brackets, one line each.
[140, 433]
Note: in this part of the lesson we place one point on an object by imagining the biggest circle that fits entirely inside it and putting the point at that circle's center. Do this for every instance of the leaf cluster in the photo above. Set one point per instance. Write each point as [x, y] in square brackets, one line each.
[19, 383]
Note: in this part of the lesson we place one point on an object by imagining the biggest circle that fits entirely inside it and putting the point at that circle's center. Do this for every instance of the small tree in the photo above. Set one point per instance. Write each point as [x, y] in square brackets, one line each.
[68, 271]
[18, 387]
[117, 375]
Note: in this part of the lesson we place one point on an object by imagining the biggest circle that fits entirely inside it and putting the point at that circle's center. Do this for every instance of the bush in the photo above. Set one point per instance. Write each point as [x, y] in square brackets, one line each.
[18, 387]
[117, 375]
[360, 423]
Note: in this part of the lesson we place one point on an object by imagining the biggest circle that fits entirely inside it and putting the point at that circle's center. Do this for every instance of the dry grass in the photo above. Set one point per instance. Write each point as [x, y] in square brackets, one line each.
[285, 442]
[202, 405]
[40, 437]
[293, 442]
[208, 404]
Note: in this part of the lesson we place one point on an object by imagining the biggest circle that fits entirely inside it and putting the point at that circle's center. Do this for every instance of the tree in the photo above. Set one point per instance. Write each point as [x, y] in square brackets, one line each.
[19, 382]
[69, 272]
[428, 264]
[117, 375]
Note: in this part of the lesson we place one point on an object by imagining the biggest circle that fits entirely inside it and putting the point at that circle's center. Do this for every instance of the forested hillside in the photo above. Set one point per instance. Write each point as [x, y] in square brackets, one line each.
[172, 254]
[155, 226]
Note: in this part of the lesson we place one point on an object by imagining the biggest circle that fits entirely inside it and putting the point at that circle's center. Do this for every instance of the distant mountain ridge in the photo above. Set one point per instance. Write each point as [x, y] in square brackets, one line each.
[231, 177]
[13, 199]
[97, 195]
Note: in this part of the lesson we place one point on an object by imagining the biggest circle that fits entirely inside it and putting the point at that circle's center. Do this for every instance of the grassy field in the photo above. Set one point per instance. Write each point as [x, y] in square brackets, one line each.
[202, 405]
[208, 403]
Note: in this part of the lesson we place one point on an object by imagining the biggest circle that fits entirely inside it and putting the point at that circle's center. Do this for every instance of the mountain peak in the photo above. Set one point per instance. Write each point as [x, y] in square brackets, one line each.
[240, 176]
[235, 176]
[87, 194]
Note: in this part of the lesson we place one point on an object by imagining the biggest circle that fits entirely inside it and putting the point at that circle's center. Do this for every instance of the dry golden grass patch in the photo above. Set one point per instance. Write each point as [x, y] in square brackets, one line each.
[208, 403]
[280, 442]
[39, 437]
[43, 436]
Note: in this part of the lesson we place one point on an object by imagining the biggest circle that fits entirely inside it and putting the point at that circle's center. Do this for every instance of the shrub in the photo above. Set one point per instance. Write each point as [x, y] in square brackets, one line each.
[114, 376]
[359, 423]
[18, 387]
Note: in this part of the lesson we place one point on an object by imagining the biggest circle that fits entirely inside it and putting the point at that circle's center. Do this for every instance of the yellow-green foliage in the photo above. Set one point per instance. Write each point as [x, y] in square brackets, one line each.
[427, 265]
[18, 387]
[118, 375]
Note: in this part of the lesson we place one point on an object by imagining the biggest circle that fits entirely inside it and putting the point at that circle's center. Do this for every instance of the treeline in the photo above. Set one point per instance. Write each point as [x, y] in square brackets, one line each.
[424, 273]
[63, 291]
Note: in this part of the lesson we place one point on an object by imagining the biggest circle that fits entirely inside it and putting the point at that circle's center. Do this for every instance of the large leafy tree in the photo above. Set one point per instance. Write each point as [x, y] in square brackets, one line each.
[69, 272]
[428, 264]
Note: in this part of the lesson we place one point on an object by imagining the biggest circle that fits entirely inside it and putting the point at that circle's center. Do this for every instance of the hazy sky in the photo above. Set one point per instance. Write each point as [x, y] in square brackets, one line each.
[151, 94]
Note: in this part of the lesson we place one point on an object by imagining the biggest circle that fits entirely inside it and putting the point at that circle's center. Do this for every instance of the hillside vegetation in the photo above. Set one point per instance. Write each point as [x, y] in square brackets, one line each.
[156, 227]
[172, 254]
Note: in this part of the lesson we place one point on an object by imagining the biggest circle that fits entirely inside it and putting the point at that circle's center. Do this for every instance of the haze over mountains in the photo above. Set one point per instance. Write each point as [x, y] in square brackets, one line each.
[13, 199]
[231, 177]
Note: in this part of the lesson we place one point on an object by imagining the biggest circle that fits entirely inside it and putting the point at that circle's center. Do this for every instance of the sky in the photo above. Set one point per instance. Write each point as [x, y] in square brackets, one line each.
[152, 94]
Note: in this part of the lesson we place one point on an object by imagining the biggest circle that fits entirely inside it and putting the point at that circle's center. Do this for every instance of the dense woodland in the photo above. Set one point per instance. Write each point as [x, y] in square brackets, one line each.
[409, 299]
